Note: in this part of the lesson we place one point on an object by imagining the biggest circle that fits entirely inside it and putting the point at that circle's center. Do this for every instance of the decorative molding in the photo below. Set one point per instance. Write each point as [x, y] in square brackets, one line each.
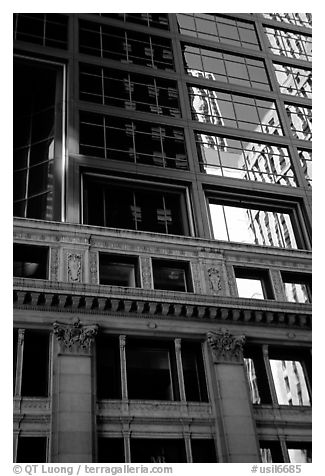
[214, 275]
[75, 337]
[225, 346]
[93, 267]
[54, 268]
[74, 267]
[146, 272]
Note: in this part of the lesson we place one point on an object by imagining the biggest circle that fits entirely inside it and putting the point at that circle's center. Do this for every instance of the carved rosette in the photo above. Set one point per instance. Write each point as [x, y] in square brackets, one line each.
[226, 347]
[75, 338]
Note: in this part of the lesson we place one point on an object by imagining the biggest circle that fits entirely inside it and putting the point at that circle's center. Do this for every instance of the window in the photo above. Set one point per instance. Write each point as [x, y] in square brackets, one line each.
[271, 452]
[125, 46]
[297, 287]
[118, 270]
[120, 139]
[299, 452]
[260, 226]
[108, 367]
[37, 136]
[288, 371]
[203, 450]
[293, 80]
[253, 283]
[131, 91]
[218, 28]
[193, 372]
[305, 157]
[225, 67]
[110, 450]
[128, 206]
[246, 160]
[31, 449]
[154, 20]
[30, 261]
[154, 450]
[46, 29]
[171, 275]
[299, 19]
[300, 121]
[288, 43]
[35, 371]
[231, 110]
[151, 370]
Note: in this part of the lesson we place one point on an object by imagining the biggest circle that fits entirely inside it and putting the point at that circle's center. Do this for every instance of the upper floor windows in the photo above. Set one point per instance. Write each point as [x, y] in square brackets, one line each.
[305, 157]
[297, 287]
[37, 131]
[118, 270]
[293, 80]
[135, 206]
[154, 20]
[131, 91]
[288, 43]
[46, 29]
[244, 160]
[225, 67]
[171, 275]
[30, 261]
[126, 46]
[232, 110]
[299, 19]
[132, 141]
[300, 121]
[258, 225]
[218, 28]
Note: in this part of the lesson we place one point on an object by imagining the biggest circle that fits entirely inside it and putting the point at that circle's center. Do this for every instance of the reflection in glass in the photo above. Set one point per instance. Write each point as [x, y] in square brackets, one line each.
[217, 28]
[156, 20]
[117, 271]
[300, 121]
[230, 110]
[297, 288]
[306, 163]
[248, 225]
[293, 80]
[244, 160]
[169, 276]
[46, 29]
[300, 19]
[250, 288]
[229, 68]
[252, 380]
[290, 383]
[290, 44]
[300, 455]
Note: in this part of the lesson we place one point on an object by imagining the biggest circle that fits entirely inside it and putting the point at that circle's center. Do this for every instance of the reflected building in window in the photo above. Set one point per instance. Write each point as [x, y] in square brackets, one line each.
[162, 238]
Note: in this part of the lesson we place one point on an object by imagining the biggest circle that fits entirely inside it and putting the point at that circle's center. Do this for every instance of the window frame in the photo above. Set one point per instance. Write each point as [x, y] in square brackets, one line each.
[120, 259]
[299, 278]
[262, 275]
[177, 264]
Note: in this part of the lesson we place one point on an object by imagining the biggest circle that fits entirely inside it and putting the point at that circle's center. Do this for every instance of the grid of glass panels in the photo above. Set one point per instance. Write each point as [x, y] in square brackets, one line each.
[290, 44]
[132, 141]
[229, 68]
[299, 19]
[218, 28]
[46, 29]
[244, 160]
[232, 110]
[293, 80]
[300, 121]
[252, 225]
[125, 46]
[305, 157]
[131, 91]
[155, 20]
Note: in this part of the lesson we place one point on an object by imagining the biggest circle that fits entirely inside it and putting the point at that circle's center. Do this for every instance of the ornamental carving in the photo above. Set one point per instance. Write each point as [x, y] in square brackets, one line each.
[54, 264]
[226, 347]
[75, 337]
[74, 267]
[93, 267]
[146, 272]
[214, 275]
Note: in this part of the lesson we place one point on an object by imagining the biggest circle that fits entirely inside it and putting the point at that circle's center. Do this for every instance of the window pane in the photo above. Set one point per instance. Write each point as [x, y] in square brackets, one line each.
[290, 383]
[170, 276]
[193, 371]
[31, 449]
[108, 376]
[300, 455]
[30, 261]
[250, 288]
[157, 450]
[203, 451]
[35, 364]
[110, 450]
[117, 270]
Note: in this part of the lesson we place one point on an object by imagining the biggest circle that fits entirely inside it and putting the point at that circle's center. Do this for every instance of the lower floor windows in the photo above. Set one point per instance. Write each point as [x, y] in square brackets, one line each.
[292, 452]
[130, 206]
[278, 376]
[297, 287]
[251, 224]
[171, 275]
[31, 449]
[156, 450]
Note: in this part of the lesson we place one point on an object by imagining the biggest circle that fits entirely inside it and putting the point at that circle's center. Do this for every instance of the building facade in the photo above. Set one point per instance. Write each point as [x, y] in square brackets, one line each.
[162, 237]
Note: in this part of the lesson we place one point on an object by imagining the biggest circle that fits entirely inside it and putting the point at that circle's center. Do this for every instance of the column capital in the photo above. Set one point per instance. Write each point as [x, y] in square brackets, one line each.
[75, 338]
[225, 346]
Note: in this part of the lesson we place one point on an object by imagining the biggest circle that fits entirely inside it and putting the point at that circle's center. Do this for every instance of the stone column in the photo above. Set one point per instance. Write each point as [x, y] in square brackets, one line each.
[73, 403]
[233, 404]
